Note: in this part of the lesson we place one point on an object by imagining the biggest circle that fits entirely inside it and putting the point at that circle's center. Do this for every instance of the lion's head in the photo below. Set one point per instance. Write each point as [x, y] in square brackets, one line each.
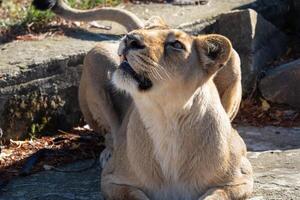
[156, 57]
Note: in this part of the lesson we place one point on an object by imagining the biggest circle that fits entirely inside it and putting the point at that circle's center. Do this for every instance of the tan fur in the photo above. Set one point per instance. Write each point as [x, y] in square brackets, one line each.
[175, 140]
[129, 20]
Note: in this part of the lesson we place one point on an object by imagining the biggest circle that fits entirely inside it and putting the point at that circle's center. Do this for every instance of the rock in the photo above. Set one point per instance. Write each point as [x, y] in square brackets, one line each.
[275, 11]
[274, 154]
[281, 85]
[255, 39]
[295, 15]
[39, 83]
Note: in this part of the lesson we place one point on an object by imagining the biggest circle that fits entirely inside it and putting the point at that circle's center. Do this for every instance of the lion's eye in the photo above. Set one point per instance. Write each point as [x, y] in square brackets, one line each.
[176, 45]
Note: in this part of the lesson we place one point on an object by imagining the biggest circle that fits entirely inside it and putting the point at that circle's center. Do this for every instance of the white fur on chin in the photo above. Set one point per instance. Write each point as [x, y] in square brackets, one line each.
[124, 82]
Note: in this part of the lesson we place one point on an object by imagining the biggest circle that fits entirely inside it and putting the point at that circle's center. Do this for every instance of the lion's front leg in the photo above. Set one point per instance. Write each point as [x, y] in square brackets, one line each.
[240, 188]
[234, 192]
[114, 191]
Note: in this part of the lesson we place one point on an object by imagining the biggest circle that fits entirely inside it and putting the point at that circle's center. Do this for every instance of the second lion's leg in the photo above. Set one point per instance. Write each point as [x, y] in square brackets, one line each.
[228, 82]
[231, 99]
[102, 106]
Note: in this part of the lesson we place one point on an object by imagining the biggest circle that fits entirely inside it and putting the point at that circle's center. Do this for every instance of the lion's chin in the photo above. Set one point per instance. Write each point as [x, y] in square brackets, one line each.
[123, 81]
[125, 78]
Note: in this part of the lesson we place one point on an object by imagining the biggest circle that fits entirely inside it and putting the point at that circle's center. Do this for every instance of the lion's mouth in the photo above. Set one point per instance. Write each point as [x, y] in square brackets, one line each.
[144, 83]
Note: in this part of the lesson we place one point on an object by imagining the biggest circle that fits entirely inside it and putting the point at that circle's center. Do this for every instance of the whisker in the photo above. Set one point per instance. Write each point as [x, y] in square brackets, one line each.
[153, 72]
[152, 69]
[157, 67]
[144, 66]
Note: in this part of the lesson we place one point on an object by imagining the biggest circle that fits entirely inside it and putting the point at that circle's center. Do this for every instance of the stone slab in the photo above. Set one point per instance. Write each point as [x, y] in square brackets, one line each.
[39, 82]
[274, 154]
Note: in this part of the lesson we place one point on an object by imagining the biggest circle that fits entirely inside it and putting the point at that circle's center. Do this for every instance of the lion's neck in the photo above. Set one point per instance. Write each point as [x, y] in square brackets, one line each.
[183, 120]
[163, 110]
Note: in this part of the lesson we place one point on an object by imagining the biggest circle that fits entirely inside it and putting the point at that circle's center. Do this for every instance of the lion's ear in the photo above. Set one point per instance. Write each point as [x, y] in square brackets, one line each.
[154, 22]
[213, 50]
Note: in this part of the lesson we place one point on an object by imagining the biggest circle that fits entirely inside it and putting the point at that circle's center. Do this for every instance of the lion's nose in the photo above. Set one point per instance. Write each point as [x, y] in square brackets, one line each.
[134, 41]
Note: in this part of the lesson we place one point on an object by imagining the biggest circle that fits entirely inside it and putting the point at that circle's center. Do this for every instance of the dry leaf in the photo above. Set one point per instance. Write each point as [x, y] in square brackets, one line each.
[77, 23]
[5, 153]
[265, 106]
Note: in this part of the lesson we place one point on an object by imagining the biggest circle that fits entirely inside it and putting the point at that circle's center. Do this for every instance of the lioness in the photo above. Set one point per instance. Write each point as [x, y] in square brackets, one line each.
[103, 58]
[175, 139]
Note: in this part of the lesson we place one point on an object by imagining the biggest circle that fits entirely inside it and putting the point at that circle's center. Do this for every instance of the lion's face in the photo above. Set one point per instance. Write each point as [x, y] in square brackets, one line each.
[156, 57]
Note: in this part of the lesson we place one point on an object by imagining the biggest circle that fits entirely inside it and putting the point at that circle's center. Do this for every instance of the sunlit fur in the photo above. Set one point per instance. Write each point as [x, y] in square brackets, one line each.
[176, 140]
